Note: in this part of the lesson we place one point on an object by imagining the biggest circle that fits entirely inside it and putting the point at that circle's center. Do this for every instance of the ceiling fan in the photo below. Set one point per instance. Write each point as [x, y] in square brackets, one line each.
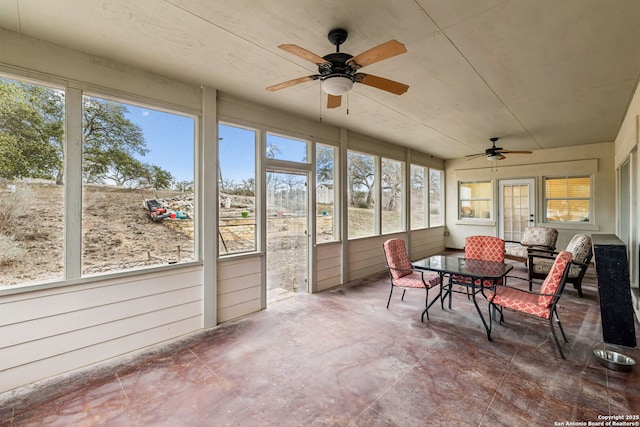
[339, 71]
[496, 153]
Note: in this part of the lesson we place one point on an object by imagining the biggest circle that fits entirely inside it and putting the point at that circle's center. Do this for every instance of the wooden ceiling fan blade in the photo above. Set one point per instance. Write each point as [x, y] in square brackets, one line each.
[303, 53]
[381, 52]
[516, 151]
[334, 101]
[382, 83]
[290, 83]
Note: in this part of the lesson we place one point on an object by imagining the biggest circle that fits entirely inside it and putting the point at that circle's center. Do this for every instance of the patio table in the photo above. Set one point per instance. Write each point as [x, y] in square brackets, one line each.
[476, 270]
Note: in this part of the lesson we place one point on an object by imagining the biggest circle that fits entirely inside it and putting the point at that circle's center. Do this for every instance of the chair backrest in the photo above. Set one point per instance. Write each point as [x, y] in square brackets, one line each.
[397, 258]
[488, 248]
[553, 284]
[581, 249]
[540, 236]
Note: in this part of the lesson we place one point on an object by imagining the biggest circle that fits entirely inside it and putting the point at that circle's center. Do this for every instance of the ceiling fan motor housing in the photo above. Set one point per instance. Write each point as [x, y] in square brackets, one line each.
[337, 37]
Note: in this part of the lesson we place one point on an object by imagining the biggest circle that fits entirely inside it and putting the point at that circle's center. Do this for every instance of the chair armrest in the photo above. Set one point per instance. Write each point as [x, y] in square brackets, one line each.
[541, 253]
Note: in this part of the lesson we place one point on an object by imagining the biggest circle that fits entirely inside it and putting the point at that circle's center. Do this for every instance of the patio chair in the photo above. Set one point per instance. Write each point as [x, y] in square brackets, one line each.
[532, 237]
[540, 304]
[486, 248]
[404, 276]
[541, 261]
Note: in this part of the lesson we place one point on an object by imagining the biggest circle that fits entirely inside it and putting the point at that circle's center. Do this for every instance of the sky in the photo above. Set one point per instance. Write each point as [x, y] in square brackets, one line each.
[169, 138]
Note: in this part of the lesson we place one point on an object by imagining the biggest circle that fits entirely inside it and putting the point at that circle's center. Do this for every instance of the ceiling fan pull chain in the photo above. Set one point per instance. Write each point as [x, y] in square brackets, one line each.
[347, 104]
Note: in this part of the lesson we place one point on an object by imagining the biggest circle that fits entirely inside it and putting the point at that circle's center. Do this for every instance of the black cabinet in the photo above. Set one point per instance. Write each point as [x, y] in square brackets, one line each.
[616, 307]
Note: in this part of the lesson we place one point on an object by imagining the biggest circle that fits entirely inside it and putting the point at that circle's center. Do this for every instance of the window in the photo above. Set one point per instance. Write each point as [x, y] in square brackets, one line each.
[361, 190]
[436, 197]
[392, 203]
[427, 197]
[138, 205]
[325, 193]
[475, 200]
[285, 148]
[31, 183]
[237, 189]
[419, 198]
[568, 199]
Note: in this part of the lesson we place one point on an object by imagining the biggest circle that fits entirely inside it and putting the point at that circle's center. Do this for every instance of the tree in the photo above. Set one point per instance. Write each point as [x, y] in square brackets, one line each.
[361, 175]
[184, 186]
[110, 142]
[156, 177]
[391, 184]
[29, 145]
[32, 139]
[325, 164]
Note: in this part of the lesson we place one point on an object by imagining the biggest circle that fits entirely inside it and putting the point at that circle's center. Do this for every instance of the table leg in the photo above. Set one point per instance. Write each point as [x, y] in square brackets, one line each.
[484, 322]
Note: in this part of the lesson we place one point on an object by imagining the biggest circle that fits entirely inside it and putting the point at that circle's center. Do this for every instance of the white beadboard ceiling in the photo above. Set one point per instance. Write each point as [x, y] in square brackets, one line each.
[537, 73]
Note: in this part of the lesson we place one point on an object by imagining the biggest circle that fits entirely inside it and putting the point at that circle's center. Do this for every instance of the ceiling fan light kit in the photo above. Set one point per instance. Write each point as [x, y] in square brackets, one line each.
[494, 157]
[338, 71]
[337, 85]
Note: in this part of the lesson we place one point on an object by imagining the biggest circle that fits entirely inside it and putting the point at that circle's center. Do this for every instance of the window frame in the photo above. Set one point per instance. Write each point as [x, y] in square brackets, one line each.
[72, 164]
[442, 198]
[566, 178]
[375, 194]
[403, 192]
[336, 190]
[257, 190]
[490, 201]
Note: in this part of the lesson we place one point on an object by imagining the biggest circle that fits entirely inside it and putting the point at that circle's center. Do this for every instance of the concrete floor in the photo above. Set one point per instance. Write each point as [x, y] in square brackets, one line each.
[340, 358]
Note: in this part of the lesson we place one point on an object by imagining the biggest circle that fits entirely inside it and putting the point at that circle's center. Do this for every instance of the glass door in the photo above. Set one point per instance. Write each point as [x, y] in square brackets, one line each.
[287, 235]
[517, 208]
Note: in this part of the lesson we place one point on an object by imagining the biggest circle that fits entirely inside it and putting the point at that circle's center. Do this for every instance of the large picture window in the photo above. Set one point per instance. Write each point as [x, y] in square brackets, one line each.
[237, 189]
[138, 204]
[474, 200]
[568, 199]
[31, 183]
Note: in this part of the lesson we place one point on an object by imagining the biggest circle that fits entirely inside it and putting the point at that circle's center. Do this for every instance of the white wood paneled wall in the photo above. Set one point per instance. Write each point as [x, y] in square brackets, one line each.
[51, 331]
[239, 287]
[328, 265]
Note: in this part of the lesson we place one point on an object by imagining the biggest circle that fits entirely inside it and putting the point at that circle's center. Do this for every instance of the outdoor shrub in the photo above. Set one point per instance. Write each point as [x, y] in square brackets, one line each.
[12, 205]
[10, 251]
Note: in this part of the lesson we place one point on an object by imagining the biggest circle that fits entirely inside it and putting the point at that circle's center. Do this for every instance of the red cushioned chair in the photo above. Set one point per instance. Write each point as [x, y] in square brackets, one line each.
[404, 276]
[540, 304]
[487, 248]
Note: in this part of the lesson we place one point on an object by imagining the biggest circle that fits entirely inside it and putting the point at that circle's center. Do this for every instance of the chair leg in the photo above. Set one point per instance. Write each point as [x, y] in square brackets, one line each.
[426, 306]
[560, 326]
[390, 293]
[578, 286]
[555, 337]
[404, 291]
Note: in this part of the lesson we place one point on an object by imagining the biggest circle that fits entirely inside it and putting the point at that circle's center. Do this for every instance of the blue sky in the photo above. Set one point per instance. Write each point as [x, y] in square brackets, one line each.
[169, 138]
